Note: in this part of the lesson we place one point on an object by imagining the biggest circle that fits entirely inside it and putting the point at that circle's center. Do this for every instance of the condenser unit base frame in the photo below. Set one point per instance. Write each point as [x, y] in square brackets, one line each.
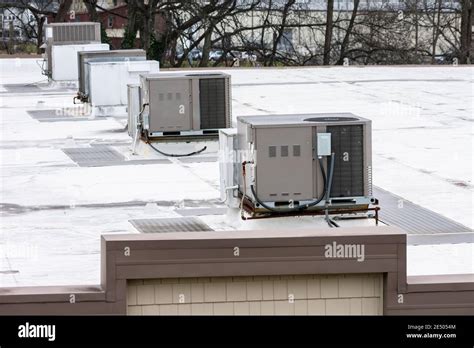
[186, 137]
[256, 212]
[334, 203]
[198, 135]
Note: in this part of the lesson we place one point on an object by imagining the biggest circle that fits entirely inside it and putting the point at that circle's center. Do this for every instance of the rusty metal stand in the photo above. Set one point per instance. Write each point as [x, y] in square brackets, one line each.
[249, 208]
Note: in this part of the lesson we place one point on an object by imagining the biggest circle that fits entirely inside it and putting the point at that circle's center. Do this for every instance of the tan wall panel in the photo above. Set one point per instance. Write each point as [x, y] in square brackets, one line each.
[264, 295]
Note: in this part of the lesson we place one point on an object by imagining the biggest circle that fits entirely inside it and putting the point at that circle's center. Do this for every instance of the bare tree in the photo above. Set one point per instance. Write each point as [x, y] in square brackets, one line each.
[39, 9]
[63, 11]
[347, 35]
[328, 32]
[91, 6]
[279, 30]
[466, 31]
[287, 32]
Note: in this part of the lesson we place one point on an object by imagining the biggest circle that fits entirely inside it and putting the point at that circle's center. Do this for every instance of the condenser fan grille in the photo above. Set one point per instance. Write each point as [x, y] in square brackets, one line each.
[75, 33]
[347, 143]
[212, 94]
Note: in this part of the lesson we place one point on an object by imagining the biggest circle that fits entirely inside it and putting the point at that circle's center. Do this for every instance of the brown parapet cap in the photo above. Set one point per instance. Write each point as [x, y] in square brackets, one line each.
[367, 235]
[443, 282]
[40, 294]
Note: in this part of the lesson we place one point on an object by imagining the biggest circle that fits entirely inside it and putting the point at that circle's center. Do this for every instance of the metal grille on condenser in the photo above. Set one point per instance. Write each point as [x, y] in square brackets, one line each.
[348, 146]
[212, 101]
[182, 224]
[74, 33]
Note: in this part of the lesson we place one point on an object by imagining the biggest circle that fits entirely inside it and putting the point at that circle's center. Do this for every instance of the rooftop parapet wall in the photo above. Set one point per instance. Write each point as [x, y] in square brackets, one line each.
[248, 253]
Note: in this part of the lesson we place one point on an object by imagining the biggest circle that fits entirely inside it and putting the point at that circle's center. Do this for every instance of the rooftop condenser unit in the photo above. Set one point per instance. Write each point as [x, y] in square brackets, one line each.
[71, 33]
[185, 104]
[107, 83]
[298, 163]
[85, 57]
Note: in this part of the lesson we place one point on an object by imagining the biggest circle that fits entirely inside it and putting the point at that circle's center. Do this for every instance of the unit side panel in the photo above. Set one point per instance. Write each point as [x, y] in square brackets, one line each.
[284, 164]
[169, 105]
[105, 84]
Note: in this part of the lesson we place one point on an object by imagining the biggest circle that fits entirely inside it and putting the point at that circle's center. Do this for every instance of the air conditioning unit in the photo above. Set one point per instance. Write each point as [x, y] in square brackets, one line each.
[85, 57]
[71, 33]
[107, 83]
[185, 104]
[64, 59]
[296, 163]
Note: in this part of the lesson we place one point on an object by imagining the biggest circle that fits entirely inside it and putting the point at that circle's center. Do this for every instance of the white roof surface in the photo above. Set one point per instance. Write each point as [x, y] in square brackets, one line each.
[53, 212]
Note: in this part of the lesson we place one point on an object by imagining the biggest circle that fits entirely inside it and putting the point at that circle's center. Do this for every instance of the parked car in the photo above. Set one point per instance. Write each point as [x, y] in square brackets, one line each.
[234, 54]
[195, 54]
[216, 55]
[446, 58]
[179, 54]
[248, 56]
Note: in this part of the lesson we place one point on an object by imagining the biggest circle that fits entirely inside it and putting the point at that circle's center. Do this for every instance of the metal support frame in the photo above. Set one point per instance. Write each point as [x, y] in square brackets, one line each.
[249, 208]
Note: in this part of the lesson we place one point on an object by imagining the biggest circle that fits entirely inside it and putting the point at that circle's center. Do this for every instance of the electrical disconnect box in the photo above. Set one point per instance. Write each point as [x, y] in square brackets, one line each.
[286, 162]
[85, 57]
[185, 103]
[76, 34]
